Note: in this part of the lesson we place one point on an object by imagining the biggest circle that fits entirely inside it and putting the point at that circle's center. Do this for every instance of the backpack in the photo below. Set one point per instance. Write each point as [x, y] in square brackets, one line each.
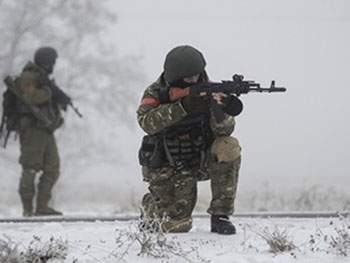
[9, 114]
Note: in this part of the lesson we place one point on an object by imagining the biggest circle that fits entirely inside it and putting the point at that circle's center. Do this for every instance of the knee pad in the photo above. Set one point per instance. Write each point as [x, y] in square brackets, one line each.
[226, 149]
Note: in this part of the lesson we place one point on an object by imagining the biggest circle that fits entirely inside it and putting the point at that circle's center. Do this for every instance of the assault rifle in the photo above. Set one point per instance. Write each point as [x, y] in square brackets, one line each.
[237, 87]
[59, 97]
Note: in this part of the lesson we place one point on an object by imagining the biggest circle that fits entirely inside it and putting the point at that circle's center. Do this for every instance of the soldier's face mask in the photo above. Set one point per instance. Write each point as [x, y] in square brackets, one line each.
[185, 82]
[191, 79]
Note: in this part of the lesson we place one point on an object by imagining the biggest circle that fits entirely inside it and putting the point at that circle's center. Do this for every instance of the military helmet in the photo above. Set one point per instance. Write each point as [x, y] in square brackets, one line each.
[45, 56]
[183, 61]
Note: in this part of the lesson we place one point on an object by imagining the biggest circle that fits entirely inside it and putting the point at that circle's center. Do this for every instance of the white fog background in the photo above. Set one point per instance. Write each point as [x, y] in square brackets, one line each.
[295, 145]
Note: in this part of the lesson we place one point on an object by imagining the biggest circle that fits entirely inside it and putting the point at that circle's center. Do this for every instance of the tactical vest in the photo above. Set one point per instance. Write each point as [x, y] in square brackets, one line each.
[186, 141]
[48, 108]
[182, 144]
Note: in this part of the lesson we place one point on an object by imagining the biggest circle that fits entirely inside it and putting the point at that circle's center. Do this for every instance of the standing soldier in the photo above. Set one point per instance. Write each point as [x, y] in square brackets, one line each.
[38, 149]
[188, 140]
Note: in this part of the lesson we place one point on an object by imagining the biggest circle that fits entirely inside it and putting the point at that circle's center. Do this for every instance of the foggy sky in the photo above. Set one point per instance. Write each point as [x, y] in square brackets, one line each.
[299, 136]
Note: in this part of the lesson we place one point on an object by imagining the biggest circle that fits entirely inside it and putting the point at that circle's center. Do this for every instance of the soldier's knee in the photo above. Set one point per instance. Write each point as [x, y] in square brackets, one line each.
[148, 206]
[31, 160]
[48, 179]
[226, 149]
[52, 167]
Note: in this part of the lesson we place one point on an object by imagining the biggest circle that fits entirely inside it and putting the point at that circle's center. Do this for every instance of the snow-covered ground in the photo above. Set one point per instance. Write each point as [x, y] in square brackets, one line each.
[294, 146]
[120, 241]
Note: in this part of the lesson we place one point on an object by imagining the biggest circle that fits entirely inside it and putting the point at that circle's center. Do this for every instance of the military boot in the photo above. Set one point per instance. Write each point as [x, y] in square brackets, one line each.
[43, 209]
[27, 204]
[222, 225]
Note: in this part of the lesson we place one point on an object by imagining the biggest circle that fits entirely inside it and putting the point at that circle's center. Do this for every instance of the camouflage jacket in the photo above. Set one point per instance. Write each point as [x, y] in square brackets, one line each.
[40, 96]
[154, 116]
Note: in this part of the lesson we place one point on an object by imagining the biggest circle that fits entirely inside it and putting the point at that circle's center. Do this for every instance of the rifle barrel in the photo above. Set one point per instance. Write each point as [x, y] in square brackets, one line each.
[75, 110]
[268, 89]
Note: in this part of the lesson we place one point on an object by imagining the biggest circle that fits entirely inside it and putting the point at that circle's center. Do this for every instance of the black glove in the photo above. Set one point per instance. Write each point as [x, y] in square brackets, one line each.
[232, 105]
[194, 105]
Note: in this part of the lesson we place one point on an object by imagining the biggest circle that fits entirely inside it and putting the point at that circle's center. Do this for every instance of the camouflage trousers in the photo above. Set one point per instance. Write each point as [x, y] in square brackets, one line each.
[38, 153]
[173, 192]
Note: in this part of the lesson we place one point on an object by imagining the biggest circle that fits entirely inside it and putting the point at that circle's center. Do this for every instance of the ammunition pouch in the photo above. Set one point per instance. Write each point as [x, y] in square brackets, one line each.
[159, 151]
[151, 153]
[183, 149]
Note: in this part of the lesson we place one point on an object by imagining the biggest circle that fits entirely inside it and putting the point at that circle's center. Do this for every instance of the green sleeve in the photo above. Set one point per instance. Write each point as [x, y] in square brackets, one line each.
[154, 117]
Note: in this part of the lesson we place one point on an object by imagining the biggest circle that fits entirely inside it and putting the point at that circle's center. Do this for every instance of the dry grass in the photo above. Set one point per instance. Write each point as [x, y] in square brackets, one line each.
[337, 243]
[277, 239]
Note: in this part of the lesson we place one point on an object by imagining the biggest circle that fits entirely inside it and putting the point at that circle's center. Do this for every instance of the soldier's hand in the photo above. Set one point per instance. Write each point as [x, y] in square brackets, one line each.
[176, 93]
[220, 97]
[194, 105]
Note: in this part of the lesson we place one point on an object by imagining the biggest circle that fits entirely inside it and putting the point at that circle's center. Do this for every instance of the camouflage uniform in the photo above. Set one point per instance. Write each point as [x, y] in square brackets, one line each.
[173, 185]
[38, 149]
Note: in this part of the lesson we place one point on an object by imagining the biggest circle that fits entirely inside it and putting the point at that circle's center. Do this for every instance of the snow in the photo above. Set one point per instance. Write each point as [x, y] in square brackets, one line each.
[112, 241]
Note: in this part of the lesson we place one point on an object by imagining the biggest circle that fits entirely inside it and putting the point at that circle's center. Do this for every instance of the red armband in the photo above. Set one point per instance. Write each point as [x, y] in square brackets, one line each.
[150, 101]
